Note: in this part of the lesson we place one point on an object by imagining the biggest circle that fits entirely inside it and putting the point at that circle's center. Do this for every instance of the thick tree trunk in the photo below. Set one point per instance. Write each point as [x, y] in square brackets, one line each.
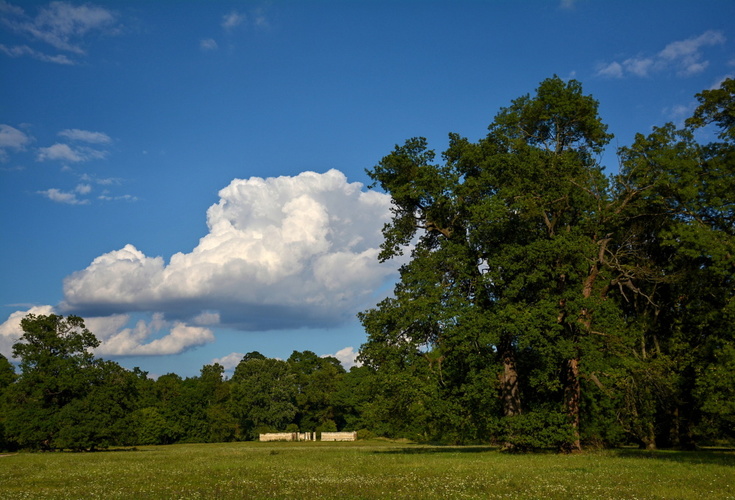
[572, 397]
[648, 437]
[509, 393]
[686, 413]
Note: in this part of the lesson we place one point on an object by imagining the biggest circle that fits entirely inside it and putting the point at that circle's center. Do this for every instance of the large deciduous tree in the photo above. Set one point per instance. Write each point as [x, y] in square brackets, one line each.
[507, 247]
[588, 303]
[56, 366]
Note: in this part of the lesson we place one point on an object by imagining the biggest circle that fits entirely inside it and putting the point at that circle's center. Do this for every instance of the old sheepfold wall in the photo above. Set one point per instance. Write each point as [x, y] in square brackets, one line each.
[339, 436]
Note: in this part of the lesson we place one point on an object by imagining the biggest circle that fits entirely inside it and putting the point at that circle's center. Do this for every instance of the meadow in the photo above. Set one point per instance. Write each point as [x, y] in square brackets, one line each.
[365, 469]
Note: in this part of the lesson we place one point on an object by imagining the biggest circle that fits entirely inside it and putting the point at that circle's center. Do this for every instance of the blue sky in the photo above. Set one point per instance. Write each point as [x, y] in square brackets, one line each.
[190, 176]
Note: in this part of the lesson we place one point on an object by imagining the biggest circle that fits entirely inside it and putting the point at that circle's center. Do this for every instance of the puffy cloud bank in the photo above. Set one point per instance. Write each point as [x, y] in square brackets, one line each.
[156, 337]
[281, 252]
[10, 331]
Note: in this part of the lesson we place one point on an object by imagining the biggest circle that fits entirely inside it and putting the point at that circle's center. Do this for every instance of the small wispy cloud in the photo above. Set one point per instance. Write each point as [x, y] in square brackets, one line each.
[259, 18]
[102, 181]
[61, 25]
[66, 153]
[80, 146]
[25, 50]
[232, 20]
[255, 18]
[612, 70]
[684, 57]
[74, 134]
[75, 152]
[69, 198]
[124, 197]
[208, 44]
[12, 139]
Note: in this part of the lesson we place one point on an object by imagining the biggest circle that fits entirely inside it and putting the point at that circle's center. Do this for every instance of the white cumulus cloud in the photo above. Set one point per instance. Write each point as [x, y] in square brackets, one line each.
[118, 341]
[347, 357]
[229, 362]
[10, 330]
[281, 253]
[153, 338]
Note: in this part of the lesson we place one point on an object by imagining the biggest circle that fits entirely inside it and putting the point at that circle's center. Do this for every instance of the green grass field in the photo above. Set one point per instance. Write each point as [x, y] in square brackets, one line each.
[372, 469]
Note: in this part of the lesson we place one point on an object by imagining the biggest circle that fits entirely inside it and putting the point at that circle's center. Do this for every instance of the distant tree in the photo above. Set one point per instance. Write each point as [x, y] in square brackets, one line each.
[7, 373]
[263, 395]
[7, 377]
[316, 379]
[252, 355]
[351, 398]
[209, 394]
[99, 419]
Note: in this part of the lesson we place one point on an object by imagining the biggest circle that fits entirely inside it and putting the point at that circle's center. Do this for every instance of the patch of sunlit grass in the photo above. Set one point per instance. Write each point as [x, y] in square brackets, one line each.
[364, 470]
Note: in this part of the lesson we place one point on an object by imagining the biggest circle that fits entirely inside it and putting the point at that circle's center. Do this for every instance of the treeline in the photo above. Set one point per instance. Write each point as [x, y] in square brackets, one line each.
[65, 398]
[545, 304]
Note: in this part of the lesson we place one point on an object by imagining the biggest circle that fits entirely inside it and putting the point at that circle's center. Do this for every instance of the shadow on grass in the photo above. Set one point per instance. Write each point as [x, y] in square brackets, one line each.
[98, 450]
[437, 449]
[719, 456]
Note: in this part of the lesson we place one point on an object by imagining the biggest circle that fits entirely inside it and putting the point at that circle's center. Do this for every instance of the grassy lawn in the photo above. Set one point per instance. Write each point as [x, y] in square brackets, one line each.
[364, 470]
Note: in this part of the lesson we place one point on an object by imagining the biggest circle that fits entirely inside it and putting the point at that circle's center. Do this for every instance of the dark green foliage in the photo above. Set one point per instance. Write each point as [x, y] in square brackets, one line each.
[7, 373]
[352, 397]
[214, 423]
[605, 300]
[154, 428]
[501, 270]
[56, 370]
[316, 380]
[539, 429]
[7, 377]
[263, 396]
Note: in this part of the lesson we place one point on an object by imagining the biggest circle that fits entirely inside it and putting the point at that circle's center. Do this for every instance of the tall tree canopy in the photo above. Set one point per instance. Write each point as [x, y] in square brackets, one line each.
[538, 277]
[58, 373]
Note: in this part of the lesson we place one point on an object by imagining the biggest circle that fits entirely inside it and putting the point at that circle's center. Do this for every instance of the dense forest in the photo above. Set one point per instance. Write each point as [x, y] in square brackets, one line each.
[545, 304]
